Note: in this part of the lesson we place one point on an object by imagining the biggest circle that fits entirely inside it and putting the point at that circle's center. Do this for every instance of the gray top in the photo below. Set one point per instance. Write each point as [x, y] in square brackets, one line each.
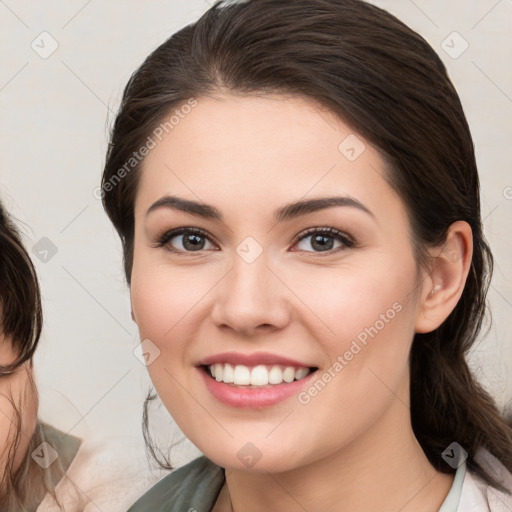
[66, 446]
[190, 488]
[195, 487]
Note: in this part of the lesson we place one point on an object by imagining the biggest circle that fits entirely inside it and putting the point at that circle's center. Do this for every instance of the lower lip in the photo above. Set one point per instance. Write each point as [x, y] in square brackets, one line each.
[253, 398]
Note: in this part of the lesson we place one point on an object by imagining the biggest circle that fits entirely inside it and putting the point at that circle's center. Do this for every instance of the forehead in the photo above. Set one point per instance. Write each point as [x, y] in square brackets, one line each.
[238, 149]
[247, 126]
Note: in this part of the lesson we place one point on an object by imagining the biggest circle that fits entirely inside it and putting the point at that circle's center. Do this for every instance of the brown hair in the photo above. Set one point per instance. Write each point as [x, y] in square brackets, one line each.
[387, 83]
[21, 323]
[20, 299]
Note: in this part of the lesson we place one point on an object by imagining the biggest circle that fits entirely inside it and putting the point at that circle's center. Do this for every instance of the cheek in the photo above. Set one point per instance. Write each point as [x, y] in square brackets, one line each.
[169, 306]
[359, 301]
[367, 325]
[6, 431]
[161, 297]
[18, 403]
[162, 303]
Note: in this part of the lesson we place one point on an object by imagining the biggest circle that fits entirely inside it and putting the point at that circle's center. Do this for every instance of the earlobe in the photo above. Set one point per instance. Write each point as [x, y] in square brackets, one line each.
[443, 286]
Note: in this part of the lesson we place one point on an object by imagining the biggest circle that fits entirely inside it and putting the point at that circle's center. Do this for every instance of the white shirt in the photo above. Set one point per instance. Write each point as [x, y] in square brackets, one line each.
[470, 494]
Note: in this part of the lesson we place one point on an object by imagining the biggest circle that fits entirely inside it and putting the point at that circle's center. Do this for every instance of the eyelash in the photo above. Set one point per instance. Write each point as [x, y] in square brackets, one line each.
[163, 239]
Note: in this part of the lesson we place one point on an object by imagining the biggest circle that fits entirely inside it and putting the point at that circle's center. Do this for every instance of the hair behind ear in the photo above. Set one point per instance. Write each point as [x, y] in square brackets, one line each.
[464, 412]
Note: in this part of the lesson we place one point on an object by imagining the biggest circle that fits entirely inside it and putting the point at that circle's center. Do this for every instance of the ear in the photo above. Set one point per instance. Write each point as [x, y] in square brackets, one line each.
[443, 285]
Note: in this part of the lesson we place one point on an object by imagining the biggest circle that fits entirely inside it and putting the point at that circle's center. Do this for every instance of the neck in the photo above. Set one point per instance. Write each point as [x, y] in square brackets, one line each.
[384, 469]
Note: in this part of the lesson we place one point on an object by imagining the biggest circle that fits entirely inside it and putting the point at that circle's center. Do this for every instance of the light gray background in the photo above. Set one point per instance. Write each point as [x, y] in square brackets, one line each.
[54, 125]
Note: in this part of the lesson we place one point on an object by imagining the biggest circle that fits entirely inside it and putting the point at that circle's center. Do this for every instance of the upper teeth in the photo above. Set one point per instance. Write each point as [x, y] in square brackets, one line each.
[260, 375]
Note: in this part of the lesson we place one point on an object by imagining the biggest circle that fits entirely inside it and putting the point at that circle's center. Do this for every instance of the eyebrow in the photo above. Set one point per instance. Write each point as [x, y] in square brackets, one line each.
[287, 212]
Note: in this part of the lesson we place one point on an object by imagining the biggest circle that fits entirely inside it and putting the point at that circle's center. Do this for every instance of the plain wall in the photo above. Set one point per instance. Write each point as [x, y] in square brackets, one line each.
[54, 125]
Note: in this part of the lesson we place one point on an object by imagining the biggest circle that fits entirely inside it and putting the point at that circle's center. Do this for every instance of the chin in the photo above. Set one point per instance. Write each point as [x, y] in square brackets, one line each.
[247, 456]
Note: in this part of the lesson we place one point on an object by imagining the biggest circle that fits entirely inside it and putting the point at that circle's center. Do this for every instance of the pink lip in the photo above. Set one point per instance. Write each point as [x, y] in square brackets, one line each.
[253, 398]
[251, 359]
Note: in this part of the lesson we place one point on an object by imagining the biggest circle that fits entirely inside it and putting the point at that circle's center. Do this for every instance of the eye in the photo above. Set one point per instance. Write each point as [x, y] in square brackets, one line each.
[190, 240]
[324, 240]
[187, 240]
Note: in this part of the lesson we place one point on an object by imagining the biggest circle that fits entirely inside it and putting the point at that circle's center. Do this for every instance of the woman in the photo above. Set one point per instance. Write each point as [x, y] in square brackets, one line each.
[33, 455]
[42, 468]
[295, 188]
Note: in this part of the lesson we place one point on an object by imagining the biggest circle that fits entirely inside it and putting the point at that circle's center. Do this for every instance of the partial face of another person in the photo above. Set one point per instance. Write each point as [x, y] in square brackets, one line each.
[330, 292]
[18, 409]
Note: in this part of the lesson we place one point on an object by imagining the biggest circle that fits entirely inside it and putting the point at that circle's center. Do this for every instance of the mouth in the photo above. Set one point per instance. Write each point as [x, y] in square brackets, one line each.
[257, 376]
[254, 381]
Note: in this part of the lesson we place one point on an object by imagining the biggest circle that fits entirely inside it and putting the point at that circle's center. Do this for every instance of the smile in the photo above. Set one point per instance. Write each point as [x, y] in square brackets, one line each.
[256, 376]
[282, 383]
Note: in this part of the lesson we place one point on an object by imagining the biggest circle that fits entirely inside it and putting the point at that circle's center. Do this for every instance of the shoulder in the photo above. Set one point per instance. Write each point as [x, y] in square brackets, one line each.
[107, 473]
[194, 486]
[65, 445]
[478, 496]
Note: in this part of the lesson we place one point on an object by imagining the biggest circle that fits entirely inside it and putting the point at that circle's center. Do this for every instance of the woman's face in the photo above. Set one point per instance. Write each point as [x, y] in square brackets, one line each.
[263, 287]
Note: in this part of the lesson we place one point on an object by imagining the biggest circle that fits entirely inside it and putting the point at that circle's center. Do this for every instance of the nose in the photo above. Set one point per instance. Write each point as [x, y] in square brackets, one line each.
[251, 300]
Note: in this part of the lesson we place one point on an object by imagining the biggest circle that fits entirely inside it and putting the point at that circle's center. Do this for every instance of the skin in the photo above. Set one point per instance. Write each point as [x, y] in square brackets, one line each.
[17, 389]
[248, 156]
